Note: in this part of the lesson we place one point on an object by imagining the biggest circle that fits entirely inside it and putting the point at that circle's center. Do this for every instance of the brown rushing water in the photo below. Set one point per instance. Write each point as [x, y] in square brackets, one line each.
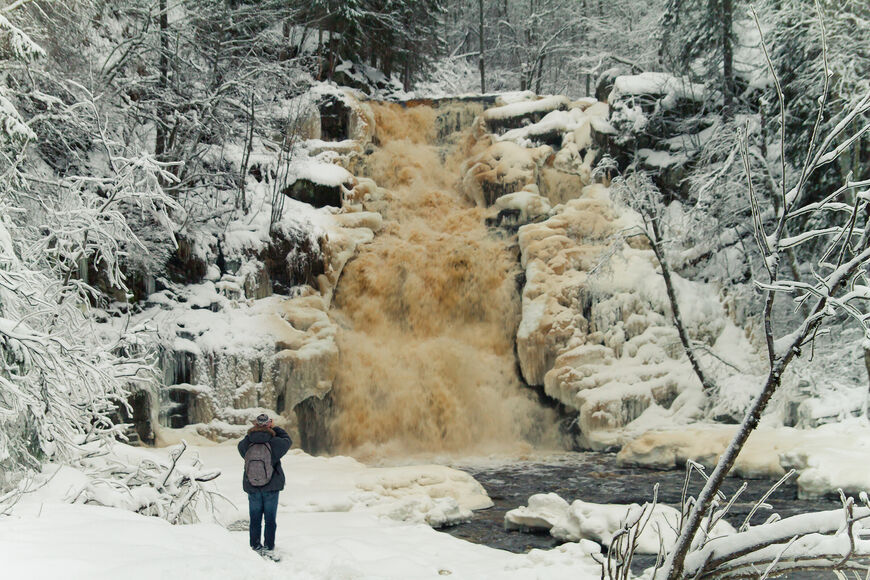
[430, 310]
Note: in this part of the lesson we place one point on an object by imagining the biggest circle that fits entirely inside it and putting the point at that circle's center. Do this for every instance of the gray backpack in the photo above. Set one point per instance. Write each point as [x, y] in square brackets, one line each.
[258, 464]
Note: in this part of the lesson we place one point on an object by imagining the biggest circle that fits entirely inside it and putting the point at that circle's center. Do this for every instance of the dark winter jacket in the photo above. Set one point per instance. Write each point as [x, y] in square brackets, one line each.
[280, 442]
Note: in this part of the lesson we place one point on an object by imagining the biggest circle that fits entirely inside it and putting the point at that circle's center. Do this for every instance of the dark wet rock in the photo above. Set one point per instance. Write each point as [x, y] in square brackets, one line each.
[138, 413]
[292, 258]
[505, 218]
[492, 190]
[315, 194]
[186, 266]
[334, 118]
[175, 405]
[313, 415]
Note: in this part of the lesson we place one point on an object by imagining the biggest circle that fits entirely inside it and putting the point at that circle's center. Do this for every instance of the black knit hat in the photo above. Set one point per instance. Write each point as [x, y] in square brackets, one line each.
[262, 419]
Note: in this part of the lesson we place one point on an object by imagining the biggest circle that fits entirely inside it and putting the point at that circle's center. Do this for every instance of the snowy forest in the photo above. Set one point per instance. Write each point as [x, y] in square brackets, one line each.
[539, 289]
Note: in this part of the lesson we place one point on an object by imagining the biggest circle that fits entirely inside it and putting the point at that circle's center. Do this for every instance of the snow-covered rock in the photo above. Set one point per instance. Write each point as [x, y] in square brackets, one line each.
[501, 168]
[527, 203]
[551, 147]
[664, 86]
[519, 112]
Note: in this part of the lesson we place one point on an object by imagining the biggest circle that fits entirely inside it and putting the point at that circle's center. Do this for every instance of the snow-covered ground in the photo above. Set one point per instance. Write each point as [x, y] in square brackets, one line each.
[337, 519]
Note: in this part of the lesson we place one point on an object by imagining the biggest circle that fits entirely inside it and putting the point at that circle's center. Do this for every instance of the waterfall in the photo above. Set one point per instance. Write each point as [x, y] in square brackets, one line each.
[429, 312]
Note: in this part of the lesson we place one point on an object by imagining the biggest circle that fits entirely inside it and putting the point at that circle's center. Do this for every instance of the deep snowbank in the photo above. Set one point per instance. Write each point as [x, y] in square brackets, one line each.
[336, 519]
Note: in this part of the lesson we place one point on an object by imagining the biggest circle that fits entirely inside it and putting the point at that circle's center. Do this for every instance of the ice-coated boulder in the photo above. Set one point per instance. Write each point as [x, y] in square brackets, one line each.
[501, 168]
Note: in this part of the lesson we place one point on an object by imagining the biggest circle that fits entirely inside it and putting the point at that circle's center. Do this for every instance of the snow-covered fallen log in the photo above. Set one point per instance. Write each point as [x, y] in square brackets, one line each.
[602, 523]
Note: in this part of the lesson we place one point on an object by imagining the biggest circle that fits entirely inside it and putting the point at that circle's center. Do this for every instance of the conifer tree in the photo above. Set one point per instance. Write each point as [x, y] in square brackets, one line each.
[701, 32]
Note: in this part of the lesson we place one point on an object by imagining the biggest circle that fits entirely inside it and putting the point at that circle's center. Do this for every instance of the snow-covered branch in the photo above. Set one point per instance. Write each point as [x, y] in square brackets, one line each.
[175, 491]
[761, 541]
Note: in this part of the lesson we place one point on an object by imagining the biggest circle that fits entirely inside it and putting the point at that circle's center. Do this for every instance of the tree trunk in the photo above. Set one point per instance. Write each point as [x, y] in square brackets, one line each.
[540, 74]
[241, 199]
[319, 53]
[675, 563]
[659, 252]
[406, 75]
[480, 61]
[160, 145]
[727, 59]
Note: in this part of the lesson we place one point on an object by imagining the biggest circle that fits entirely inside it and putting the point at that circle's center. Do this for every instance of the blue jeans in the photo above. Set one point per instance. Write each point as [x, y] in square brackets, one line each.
[263, 504]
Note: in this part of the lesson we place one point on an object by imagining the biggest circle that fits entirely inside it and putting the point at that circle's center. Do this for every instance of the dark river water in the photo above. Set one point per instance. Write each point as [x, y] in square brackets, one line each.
[596, 477]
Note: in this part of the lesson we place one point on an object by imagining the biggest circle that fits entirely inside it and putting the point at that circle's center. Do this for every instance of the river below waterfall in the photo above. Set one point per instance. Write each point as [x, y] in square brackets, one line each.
[596, 477]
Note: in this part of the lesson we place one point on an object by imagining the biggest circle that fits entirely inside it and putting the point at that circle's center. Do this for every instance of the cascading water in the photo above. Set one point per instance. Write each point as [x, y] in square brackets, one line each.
[429, 312]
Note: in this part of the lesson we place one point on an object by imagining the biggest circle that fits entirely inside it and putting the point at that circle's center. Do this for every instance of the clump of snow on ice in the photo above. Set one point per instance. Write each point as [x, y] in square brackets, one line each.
[434, 494]
[542, 513]
[826, 459]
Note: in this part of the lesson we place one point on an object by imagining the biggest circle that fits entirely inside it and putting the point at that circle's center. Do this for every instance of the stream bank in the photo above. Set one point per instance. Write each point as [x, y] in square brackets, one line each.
[596, 477]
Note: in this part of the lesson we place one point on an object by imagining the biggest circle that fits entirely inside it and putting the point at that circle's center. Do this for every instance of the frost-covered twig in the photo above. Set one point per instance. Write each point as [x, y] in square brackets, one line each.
[292, 133]
[8, 501]
[762, 502]
[175, 455]
[624, 543]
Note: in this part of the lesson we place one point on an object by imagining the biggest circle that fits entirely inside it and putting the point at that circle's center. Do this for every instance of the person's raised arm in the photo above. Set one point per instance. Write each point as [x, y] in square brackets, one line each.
[281, 442]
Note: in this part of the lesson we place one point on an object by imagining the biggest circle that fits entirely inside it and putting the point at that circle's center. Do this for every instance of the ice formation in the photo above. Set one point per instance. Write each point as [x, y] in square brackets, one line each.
[432, 293]
[596, 329]
[592, 326]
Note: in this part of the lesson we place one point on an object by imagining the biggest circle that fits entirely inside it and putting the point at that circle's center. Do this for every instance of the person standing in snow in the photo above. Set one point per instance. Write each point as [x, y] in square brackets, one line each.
[263, 478]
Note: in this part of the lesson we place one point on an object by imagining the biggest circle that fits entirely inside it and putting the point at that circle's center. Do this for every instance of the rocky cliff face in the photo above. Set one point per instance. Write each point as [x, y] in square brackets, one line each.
[246, 329]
